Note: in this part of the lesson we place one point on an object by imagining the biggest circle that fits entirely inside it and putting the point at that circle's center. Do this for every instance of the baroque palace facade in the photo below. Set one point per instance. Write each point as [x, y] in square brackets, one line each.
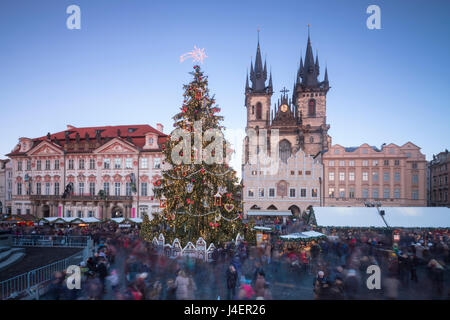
[312, 171]
[101, 172]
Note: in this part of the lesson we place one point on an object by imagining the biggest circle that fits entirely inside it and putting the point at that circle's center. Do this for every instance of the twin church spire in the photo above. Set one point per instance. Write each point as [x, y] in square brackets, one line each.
[307, 74]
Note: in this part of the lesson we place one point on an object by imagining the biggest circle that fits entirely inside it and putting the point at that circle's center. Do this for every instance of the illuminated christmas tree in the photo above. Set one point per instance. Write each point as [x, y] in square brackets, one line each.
[199, 193]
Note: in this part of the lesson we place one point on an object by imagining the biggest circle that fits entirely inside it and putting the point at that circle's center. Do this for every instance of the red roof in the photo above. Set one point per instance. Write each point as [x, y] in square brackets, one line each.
[134, 134]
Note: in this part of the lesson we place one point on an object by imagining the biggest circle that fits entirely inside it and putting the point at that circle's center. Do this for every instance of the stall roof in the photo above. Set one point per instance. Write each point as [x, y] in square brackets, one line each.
[422, 217]
[67, 219]
[302, 235]
[401, 217]
[348, 217]
[269, 213]
[262, 228]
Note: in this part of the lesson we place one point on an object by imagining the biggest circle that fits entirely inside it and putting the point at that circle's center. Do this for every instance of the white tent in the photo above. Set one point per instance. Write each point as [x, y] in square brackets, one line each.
[401, 217]
[302, 235]
[70, 219]
[422, 217]
[348, 217]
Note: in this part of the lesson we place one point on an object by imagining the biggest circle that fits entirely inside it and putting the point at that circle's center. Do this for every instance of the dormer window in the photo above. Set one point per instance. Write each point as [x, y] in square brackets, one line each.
[131, 130]
[150, 141]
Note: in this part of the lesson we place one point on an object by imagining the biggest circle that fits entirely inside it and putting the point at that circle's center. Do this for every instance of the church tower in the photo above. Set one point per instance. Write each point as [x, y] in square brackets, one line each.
[258, 95]
[310, 98]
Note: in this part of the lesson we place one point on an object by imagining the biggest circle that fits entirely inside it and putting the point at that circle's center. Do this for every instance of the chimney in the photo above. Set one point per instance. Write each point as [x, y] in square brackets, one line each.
[159, 127]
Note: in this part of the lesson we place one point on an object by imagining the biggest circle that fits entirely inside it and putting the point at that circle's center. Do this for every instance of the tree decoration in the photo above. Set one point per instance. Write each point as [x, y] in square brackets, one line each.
[163, 202]
[217, 200]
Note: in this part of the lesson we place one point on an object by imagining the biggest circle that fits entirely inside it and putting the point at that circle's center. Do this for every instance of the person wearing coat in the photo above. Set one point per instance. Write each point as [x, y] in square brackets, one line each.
[260, 285]
[232, 277]
[182, 283]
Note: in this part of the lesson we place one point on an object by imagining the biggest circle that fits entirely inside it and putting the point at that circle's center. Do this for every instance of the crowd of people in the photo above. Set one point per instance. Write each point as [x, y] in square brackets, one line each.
[124, 267]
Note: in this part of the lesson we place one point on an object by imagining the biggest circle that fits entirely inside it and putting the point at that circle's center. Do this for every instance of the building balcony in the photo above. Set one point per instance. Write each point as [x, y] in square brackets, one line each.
[79, 197]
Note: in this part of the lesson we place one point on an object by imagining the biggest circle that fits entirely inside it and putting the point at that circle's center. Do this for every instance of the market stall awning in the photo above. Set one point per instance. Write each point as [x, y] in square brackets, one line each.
[360, 217]
[419, 217]
[269, 213]
[306, 235]
[396, 217]
[262, 228]
[70, 220]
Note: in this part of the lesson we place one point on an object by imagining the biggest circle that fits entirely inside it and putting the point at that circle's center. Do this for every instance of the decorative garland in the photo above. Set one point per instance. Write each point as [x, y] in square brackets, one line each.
[203, 169]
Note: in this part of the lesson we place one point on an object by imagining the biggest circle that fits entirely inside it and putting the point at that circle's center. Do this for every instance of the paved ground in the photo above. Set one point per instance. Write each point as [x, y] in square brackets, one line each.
[37, 257]
[286, 283]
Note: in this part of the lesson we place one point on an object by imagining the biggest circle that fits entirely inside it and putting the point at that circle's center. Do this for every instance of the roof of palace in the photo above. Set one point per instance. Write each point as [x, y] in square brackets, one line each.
[97, 136]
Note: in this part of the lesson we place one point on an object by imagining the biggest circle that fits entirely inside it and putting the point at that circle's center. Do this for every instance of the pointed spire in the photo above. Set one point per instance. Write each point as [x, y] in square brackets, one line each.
[270, 82]
[317, 62]
[247, 87]
[310, 69]
[265, 68]
[326, 77]
[258, 74]
[301, 66]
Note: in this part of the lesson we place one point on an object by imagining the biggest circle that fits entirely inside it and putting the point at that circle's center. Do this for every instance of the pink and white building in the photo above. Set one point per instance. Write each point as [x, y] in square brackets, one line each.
[393, 175]
[122, 161]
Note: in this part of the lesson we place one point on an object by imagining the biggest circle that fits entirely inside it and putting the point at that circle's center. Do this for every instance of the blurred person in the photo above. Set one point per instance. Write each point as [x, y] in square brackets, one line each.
[155, 291]
[171, 290]
[231, 277]
[245, 291]
[94, 287]
[320, 286]
[102, 272]
[260, 285]
[191, 288]
[56, 288]
[437, 276]
[390, 286]
[113, 279]
[181, 284]
[141, 285]
[351, 284]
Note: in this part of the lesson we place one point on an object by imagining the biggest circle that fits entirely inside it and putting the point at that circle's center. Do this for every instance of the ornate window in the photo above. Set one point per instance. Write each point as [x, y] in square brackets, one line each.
[285, 150]
[312, 108]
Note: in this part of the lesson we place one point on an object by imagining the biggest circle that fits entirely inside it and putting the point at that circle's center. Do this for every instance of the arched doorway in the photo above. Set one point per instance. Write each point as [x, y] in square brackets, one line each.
[272, 207]
[295, 210]
[116, 212]
[45, 211]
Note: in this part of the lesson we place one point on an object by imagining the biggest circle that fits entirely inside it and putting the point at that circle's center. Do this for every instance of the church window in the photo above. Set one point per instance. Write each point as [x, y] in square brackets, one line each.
[285, 150]
[312, 107]
[259, 111]
[253, 109]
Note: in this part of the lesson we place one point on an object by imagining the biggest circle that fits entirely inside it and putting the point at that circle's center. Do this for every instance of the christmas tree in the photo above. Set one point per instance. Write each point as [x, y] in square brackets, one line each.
[199, 193]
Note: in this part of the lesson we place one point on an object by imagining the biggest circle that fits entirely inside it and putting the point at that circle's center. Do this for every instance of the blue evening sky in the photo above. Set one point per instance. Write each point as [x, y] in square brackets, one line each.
[122, 67]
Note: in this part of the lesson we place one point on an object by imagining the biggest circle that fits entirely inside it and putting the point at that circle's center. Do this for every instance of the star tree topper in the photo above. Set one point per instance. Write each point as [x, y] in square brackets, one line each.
[198, 55]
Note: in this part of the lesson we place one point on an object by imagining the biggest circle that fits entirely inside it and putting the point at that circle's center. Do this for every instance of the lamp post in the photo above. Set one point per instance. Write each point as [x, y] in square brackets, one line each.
[380, 212]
